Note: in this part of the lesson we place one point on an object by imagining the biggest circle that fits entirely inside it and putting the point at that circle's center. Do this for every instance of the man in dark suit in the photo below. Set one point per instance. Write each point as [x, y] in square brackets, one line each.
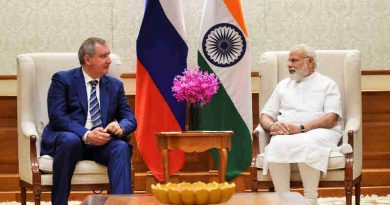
[89, 117]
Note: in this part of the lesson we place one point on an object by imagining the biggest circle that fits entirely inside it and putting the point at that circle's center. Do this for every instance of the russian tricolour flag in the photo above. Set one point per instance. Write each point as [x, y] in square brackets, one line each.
[162, 54]
[223, 50]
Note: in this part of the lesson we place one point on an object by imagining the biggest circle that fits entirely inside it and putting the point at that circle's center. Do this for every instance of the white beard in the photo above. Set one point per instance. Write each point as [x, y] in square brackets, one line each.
[300, 73]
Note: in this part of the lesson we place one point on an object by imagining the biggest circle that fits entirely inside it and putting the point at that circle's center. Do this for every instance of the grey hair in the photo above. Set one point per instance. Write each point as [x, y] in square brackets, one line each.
[88, 47]
[309, 52]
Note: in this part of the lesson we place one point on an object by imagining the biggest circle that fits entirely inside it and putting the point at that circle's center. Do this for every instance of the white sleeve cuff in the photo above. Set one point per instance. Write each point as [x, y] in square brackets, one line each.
[84, 138]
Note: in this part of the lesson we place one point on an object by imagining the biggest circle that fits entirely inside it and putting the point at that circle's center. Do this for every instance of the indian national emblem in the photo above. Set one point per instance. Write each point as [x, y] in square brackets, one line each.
[224, 45]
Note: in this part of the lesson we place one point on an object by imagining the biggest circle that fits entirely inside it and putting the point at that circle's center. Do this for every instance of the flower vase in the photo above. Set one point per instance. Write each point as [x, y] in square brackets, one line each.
[195, 116]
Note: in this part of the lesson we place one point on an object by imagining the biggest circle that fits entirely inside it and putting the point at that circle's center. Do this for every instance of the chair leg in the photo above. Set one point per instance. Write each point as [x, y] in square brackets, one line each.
[23, 198]
[348, 193]
[37, 196]
[357, 193]
[254, 186]
[271, 189]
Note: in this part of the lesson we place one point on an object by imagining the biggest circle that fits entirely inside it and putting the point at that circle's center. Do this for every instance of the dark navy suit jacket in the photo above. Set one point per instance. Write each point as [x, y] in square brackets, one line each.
[68, 106]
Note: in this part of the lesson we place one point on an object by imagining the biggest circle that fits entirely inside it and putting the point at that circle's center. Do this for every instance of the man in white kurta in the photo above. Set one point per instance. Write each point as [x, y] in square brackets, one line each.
[304, 118]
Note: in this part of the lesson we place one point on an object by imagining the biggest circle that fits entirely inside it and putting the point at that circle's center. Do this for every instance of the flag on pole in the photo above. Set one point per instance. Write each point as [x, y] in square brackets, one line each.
[161, 54]
[223, 50]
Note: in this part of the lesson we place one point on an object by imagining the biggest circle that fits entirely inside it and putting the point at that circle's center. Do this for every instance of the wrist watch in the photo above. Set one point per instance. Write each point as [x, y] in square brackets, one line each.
[302, 128]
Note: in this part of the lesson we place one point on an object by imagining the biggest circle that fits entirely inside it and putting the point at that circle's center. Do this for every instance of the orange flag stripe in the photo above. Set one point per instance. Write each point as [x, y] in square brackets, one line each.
[235, 9]
[154, 115]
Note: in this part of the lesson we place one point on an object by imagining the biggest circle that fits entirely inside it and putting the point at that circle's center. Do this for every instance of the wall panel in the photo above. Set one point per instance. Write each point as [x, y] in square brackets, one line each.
[61, 25]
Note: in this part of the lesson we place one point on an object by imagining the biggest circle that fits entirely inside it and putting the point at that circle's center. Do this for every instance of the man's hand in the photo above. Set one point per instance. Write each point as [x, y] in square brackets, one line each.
[114, 128]
[98, 137]
[282, 128]
[279, 128]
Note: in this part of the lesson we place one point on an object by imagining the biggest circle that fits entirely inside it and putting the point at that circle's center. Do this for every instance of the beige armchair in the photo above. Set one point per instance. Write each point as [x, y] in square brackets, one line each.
[343, 66]
[34, 77]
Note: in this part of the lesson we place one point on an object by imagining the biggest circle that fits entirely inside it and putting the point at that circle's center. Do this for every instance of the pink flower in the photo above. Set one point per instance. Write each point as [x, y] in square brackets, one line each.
[195, 86]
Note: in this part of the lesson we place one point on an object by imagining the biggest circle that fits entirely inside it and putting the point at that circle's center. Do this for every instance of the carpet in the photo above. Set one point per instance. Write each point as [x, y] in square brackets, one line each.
[365, 200]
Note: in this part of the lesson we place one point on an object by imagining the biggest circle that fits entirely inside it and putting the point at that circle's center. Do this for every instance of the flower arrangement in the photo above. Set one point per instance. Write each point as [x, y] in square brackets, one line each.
[195, 86]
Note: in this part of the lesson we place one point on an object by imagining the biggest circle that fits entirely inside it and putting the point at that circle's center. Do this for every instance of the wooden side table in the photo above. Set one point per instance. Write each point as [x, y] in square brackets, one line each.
[195, 141]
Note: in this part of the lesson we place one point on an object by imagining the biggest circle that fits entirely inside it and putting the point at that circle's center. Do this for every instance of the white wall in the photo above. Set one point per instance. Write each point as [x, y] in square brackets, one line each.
[61, 26]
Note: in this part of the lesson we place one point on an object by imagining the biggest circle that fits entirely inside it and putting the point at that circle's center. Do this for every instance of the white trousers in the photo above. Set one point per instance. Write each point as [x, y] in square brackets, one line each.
[280, 174]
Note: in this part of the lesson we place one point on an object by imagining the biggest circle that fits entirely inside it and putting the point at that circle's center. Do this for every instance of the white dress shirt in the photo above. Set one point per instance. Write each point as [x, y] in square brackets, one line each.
[87, 78]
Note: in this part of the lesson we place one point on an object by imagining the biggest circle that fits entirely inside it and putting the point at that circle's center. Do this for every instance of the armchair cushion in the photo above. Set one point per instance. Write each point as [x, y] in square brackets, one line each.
[334, 175]
[336, 161]
[82, 167]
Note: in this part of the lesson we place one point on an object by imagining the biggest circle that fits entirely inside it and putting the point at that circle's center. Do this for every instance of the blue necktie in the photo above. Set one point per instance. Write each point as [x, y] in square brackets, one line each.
[94, 108]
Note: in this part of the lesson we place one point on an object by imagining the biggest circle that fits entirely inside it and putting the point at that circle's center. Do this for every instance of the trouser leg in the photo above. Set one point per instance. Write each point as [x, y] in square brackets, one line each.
[69, 150]
[116, 154]
[119, 168]
[310, 180]
[280, 174]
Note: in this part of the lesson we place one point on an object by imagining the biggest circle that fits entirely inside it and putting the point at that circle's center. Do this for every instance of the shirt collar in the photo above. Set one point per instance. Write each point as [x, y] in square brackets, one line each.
[311, 76]
[88, 78]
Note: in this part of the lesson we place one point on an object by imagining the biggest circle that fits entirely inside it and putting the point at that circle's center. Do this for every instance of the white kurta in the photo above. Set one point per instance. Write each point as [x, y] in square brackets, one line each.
[298, 103]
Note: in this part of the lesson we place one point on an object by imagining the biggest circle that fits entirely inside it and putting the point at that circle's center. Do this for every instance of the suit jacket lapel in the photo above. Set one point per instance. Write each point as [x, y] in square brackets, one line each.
[104, 87]
[81, 89]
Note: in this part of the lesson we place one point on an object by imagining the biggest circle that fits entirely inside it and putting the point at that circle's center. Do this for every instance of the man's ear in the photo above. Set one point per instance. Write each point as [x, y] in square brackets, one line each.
[311, 60]
[87, 60]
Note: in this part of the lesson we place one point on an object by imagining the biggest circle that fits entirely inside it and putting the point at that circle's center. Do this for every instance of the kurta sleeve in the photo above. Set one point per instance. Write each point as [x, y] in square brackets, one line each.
[332, 100]
[272, 106]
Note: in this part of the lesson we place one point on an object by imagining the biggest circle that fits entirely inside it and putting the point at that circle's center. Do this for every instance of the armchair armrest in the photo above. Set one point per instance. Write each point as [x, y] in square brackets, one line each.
[264, 138]
[353, 156]
[348, 173]
[29, 129]
[260, 139]
[352, 125]
[352, 139]
[34, 156]
[255, 152]
[28, 138]
[255, 144]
